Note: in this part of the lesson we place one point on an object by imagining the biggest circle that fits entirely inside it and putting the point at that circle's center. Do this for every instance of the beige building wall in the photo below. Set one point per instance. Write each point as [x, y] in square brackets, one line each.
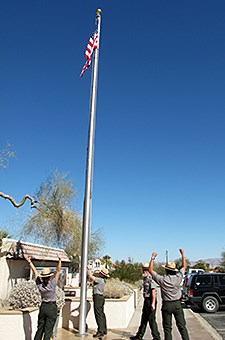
[12, 272]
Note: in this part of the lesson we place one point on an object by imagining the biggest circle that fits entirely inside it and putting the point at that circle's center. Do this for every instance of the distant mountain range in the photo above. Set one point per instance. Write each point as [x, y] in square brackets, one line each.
[213, 262]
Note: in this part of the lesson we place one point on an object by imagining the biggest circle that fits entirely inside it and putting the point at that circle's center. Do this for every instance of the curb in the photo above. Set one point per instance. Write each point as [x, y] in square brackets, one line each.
[206, 325]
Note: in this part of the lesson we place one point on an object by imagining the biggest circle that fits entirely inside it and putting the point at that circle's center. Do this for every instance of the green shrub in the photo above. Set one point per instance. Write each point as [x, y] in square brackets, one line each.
[129, 272]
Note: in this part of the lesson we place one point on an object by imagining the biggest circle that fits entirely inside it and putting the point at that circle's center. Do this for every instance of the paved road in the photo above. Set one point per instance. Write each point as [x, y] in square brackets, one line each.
[216, 320]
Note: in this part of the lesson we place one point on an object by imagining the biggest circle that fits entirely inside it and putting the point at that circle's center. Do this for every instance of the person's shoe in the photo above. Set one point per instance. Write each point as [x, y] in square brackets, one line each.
[97, 335]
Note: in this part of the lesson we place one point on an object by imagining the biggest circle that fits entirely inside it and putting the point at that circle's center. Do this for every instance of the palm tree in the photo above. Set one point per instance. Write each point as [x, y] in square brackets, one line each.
[106, 261]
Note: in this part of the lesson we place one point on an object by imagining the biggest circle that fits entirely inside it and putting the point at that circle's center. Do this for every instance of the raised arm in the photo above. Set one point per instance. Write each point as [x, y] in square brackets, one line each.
[91, 277]
[184, 264]
[58, 268]
[151, 264]
[32, 267]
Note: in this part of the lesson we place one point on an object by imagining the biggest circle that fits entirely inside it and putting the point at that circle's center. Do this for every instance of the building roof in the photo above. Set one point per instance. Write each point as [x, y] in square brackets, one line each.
[15, 249]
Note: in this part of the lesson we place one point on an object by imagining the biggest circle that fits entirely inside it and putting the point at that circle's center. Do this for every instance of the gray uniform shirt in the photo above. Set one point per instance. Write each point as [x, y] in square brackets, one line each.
[170, 285]
[48, 293]
[148, 285]
[98, 286]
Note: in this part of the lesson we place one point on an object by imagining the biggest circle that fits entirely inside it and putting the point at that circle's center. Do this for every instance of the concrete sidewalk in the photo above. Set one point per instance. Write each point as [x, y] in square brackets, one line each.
[197, 327]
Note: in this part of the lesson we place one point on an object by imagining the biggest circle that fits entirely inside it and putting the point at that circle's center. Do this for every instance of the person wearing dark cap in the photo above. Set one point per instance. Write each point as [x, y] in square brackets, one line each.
[171, 295]
[149, 306]
[48, 309]
[99, 300]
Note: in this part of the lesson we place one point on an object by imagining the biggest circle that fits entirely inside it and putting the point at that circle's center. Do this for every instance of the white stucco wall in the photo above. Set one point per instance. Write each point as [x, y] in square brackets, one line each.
[12, 272]
[118, 311]
[22, 325]
[18, 325]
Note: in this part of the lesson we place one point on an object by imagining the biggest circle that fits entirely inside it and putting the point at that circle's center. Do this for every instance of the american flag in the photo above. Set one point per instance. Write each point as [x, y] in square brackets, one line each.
[92, 44]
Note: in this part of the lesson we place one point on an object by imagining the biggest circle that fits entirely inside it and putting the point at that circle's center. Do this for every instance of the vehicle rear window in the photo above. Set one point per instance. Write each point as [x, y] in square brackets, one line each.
[203, 280]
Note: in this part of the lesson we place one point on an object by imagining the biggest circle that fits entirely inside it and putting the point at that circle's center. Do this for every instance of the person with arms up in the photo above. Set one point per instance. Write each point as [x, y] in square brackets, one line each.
[171, 295]
[149, 307]
[99, 300]
[48, 309]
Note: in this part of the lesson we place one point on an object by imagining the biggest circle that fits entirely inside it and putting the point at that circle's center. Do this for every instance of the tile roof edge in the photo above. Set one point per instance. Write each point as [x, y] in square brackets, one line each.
[33, 244]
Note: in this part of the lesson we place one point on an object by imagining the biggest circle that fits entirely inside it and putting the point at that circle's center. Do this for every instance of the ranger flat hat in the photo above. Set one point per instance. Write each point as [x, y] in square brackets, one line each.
[104, 272]
[171, 266]
[145, 265]
[46, 272]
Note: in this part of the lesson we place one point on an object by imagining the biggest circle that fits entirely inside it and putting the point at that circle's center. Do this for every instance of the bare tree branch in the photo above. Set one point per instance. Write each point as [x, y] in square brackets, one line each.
[17, 205]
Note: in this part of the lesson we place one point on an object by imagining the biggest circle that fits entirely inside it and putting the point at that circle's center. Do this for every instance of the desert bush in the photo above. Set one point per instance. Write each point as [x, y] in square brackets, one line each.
[115, 289]
[26, 294]
[139, 284]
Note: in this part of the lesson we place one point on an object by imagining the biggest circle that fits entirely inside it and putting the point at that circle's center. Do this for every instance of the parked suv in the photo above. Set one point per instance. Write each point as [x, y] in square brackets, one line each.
[207, 290]
[184, 283]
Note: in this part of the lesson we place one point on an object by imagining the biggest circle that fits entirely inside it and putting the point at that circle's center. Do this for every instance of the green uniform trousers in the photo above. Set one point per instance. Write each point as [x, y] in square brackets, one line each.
[148, 316]
[99, 301]
[46, 321]
[170, 308]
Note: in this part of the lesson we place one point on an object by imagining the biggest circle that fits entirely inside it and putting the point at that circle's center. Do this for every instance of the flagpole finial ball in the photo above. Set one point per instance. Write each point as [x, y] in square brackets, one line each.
[99, 11]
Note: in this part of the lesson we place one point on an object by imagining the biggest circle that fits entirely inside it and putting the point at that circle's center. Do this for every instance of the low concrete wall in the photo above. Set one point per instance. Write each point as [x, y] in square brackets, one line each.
[137, 292]
[118, 312]
[77, 292]
[20, 325]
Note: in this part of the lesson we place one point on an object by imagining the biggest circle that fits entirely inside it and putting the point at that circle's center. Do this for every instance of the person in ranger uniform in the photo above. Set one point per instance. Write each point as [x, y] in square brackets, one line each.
[99, 300]
[171, 295]
[48, 310]
[149, 307]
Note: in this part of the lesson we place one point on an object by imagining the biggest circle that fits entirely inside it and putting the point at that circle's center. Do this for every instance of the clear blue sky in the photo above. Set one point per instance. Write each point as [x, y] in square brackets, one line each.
[159, 175]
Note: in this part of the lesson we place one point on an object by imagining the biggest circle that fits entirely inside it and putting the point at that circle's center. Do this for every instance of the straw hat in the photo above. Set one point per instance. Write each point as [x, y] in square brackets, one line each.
[104, 272]
[145, 265]
[46, 272]
[171, 266]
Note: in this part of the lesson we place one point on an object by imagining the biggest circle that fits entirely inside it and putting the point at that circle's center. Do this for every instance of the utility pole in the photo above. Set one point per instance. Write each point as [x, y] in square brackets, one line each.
[167, 256]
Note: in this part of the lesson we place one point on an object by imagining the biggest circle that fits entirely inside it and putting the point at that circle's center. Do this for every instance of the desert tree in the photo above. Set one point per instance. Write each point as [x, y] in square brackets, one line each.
[127, 271]
[201, 264]
[222, 262]
[179, 263]
[54, 222]
[5, 154]
[3, 234]
[106, 259]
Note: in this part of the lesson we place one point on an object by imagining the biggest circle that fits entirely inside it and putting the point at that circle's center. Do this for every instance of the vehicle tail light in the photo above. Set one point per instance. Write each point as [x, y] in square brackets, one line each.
[186, 281]
[191, 292]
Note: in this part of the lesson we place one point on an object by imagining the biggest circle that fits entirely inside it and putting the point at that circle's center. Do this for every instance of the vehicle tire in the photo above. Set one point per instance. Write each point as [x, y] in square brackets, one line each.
[210, 304]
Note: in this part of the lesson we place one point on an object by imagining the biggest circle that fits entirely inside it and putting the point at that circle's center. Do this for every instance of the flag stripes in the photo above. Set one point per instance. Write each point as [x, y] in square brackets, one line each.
[92, 44]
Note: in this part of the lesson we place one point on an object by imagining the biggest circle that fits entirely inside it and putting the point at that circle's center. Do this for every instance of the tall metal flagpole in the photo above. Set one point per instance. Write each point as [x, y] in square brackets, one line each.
[88, 185]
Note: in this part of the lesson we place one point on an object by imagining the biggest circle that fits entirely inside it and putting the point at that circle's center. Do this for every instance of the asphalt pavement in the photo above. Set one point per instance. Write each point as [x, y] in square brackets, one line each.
[216, 320]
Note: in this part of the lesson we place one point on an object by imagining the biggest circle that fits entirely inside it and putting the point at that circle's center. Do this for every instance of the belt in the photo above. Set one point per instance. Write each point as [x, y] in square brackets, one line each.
[49, 302]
